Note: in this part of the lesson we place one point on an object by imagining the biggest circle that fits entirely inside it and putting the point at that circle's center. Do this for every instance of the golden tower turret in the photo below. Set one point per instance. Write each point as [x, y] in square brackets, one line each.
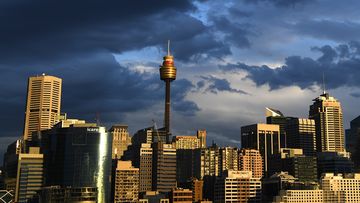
[167, 74]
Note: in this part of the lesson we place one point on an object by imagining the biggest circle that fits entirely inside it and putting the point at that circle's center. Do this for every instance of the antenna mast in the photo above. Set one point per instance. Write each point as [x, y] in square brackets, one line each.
[324, 92]
[168, 50]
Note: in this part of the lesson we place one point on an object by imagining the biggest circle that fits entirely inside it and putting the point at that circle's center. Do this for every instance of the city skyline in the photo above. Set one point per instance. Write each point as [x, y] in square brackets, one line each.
[217, 88]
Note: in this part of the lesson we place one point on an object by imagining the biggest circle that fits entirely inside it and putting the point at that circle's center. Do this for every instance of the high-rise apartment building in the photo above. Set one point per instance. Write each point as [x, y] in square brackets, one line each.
[126, 182]
[228, 159]
[164, 167]
[206, 162]
[201, 134]
[121, 140]
[29, 179]
[327, 113]
[42, 104]
[251, 160]
[237, 186]
[262, 137]
[301, 135]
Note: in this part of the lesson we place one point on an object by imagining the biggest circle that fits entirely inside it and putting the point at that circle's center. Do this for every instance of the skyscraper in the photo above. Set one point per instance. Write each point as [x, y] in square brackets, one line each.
[42, 104]
[262, 137]
[121, 140]
[164, 167]
[167, 74]
[274, 116]
[301, 135]
[327, 113]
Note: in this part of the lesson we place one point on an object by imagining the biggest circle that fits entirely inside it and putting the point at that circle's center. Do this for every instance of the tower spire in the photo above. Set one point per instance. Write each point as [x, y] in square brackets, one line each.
[168, 48]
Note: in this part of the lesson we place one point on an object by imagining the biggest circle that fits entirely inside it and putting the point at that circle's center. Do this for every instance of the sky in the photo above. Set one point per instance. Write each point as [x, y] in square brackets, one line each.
[233, 58]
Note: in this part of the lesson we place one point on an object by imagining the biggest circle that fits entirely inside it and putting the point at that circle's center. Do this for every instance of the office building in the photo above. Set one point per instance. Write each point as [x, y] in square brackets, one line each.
[154, 197]
[164, 167]
[275, 117]
[185, 165]
[262, 137]
[302, 167]
[334, 162]
[149, 135]
[78, 156]
[228, 159]
[120, 140]
[201, 135]
[237, 186]
[301, 135]
[180, 195]
[42, 104]
[327, 113]
[145, 167]
[126, 182]
[57, 194]
[29, 179]
[353, 141]
[251, 160]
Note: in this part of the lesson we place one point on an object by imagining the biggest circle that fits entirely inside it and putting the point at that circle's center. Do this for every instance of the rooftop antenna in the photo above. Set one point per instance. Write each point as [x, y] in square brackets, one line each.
[168, 50]
[324, 92]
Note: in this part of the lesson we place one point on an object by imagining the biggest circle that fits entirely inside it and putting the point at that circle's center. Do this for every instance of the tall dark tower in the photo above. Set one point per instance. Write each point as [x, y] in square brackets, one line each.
[167, 74]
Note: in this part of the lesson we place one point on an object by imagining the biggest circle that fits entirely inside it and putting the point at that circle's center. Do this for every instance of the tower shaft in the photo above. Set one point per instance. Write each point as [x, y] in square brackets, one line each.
[167, 107]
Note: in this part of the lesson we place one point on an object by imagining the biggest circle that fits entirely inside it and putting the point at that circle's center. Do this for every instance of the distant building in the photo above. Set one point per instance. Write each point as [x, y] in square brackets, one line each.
[262, 137]
[120, 140]
[180, 195]
[201, 135]
[164, 167]
[251, 160]
[345, 189]
[186, 142]
[237, 186]
[78, 156]
[301, 196]
[228, 159]
[10, 164]
[126, 182]
[42, 104]
[301, 135]
[327, 113]
[29, 179]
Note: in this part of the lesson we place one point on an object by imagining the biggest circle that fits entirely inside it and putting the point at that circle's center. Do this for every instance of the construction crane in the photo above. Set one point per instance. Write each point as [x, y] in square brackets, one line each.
[156, 130]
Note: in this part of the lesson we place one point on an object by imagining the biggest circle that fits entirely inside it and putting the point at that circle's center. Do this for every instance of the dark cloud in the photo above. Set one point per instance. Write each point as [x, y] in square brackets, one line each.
[355, 94]
[340, 65]
[216, 85]
[328, 29]
[282, 3]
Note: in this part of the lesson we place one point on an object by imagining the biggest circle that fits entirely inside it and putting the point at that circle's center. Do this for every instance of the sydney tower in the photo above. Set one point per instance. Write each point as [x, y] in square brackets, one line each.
[167, 74]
